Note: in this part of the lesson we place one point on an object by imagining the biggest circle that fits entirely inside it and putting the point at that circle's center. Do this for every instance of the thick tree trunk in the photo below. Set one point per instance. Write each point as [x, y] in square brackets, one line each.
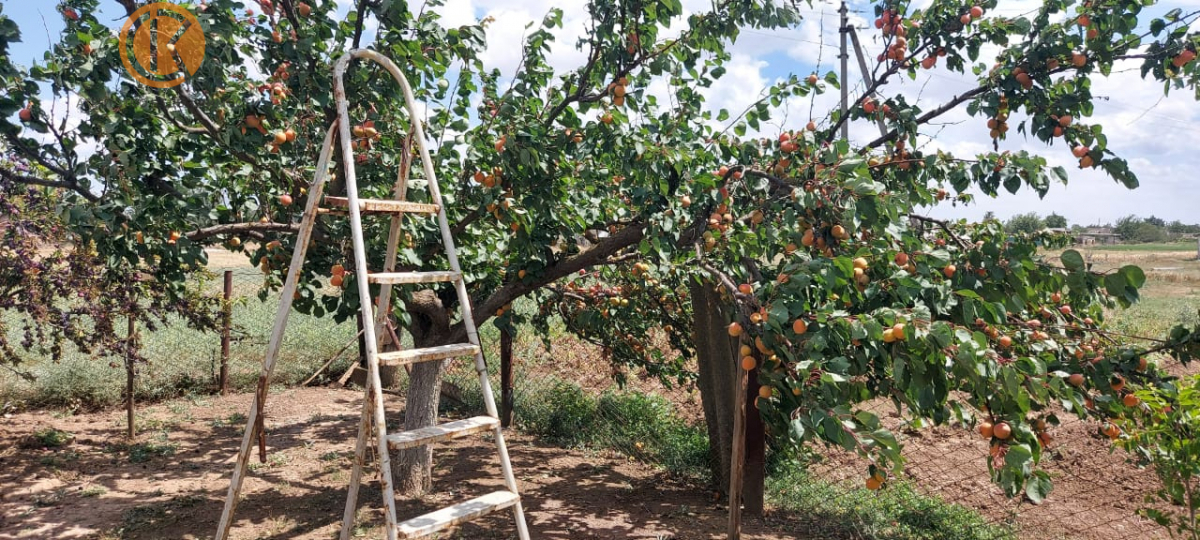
[754, 482]
[412, 469]
[718, 362]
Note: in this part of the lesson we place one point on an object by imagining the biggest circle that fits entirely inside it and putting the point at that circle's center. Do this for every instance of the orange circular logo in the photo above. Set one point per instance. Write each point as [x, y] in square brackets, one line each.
[167, 45]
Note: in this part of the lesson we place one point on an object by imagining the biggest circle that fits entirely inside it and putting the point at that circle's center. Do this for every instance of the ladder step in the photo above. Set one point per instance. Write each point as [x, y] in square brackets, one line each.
[397, 278]
[384, 205]
[428, 354]
[453, 515]
[442, 432]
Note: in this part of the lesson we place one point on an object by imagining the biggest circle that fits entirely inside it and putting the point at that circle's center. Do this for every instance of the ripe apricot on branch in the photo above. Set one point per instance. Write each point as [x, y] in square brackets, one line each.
[735, 329]
[1002, 431]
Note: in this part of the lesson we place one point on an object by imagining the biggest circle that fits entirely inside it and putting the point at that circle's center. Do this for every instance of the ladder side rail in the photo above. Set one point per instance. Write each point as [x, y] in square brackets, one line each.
[374, 386]
[460, 285]
[399, 192]
[281, 318]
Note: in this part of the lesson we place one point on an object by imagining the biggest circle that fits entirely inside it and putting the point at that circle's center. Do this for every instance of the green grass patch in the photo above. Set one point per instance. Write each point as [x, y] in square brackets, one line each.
[1154, 315]
[897, 512]
[51, 438]
[143, 452]
[1172, 246]
[635, 424]
[182, 361]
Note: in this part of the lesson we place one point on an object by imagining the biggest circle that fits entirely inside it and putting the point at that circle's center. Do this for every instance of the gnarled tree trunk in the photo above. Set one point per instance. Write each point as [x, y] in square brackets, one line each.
[412, 470]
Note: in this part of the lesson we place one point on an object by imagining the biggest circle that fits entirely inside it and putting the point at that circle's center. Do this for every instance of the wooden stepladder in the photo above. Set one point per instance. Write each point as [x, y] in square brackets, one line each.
[372, 423]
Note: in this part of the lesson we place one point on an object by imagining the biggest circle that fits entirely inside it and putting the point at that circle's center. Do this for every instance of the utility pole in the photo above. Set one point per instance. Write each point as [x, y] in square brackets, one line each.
[868, 80]
[844, 78]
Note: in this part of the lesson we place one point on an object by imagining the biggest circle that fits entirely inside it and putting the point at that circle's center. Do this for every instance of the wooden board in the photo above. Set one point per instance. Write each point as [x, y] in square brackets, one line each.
[439, 433]
[398, 278]
[384, 205]
[428, 354]
[454, 515]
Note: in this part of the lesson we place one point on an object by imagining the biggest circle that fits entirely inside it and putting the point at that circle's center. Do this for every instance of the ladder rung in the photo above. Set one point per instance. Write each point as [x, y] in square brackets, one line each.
[428, 354]
[441, 432]
[453, 515]
[384, 205]
[396, 278]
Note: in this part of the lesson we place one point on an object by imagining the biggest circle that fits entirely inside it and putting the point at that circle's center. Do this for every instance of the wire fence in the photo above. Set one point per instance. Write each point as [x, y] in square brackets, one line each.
[565, 395]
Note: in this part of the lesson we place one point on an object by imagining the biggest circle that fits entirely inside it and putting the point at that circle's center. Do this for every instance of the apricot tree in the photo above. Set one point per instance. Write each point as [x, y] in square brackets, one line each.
[610, 203]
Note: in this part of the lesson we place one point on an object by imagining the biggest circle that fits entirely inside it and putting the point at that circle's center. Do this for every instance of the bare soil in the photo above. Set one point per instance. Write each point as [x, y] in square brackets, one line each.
[173, 485]
[1097, 489]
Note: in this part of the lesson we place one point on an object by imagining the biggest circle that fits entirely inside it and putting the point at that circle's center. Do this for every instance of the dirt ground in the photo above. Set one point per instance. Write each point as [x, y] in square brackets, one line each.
[1096, 491]
[172, 484]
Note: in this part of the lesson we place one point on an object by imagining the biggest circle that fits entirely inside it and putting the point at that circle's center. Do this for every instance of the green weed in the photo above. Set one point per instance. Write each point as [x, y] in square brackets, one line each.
[897, 512]
[51, 438]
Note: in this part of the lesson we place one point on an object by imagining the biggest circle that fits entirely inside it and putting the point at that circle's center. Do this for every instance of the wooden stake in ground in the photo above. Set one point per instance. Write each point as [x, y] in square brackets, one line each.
[131, 338]
[737, 467]
[226, 332]
[506, 382]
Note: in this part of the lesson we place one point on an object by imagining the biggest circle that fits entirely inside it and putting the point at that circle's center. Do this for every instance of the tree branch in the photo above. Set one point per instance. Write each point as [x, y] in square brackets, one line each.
[925, 118]
[234, 228]
[358, 23]
[68, 184]
[944, 225]
[162, 106]
[512, 290]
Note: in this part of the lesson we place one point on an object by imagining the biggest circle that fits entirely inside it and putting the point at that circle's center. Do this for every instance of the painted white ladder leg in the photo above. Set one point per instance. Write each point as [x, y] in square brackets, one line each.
[384, 308]
[281, 318]
[364, 294]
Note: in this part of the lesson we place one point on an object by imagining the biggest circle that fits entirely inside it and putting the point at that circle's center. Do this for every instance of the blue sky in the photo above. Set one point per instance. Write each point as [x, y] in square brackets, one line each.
[1155, 134]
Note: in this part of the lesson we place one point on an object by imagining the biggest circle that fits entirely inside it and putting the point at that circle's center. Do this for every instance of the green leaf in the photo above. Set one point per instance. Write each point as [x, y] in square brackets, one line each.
[1038, 487]
[1133, 275]
[1115, 284]
[798, 428]
[1072, 260]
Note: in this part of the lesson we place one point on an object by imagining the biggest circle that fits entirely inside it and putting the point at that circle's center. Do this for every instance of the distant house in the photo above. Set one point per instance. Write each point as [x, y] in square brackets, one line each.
[1097, 235]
